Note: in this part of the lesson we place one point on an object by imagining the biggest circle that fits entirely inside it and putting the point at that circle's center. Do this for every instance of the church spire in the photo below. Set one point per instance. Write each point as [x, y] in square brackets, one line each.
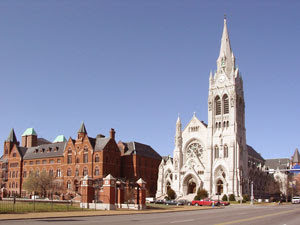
[12, 136]
[226, 60]
[178, 135]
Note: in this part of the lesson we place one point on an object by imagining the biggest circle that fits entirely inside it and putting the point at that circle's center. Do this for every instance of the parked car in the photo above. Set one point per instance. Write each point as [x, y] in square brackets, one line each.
[159, 202]
[183, 202]
[170, 202]
[296, 200]
[224, 203]
[206, 201]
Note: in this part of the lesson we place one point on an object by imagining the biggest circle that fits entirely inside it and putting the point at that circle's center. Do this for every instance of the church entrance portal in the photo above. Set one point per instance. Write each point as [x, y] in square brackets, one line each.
[219, 187]
[191, 187]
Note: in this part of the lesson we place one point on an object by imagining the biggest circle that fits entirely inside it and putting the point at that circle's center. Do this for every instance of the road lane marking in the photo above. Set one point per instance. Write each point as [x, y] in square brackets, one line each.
[256, 217]
[182, 221]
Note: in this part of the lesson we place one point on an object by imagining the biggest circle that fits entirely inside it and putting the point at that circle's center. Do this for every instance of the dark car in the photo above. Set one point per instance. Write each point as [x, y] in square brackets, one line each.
[183, 202]
[159, 202]
[170, 202]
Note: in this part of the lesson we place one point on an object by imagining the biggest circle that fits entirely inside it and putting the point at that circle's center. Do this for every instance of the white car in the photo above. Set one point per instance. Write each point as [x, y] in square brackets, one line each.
[296, 200]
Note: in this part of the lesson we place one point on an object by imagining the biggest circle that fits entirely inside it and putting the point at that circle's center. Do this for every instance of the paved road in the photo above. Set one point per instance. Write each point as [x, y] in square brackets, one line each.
[275, 215]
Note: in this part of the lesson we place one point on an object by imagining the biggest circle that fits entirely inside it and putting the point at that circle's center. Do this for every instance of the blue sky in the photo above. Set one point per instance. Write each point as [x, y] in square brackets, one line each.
[134, 65]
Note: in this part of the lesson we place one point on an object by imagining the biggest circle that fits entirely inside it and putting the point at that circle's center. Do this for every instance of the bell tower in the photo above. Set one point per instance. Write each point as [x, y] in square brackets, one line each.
[226, 123]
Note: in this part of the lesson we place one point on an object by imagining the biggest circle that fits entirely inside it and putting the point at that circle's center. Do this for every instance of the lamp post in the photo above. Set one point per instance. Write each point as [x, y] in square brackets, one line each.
[252, 197]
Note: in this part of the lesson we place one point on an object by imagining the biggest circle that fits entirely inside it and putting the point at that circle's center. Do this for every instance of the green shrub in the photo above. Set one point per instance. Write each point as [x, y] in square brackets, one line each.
[225, 198]
[202, 193]
[231, 197]
[196, 197]
[246, 198]
[171, 194]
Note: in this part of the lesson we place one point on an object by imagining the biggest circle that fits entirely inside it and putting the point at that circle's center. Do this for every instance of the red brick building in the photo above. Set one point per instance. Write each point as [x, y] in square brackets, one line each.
[70, 160]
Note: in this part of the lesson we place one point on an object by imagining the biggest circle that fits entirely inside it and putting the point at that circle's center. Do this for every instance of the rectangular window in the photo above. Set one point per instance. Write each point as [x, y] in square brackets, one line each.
[85, 158]
[51, 161]
[58, 161]
[37, 162]
[25, 174]
[58, 173]
[25, 163]
[31, 163]
[69, 159]
[44, 162]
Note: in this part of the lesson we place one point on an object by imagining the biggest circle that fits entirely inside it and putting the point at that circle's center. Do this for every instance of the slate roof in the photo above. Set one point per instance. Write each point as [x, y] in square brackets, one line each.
[42, 141]
[41, 151]
[281, 163]
[296, 156]
[254, 153]
[136, 148]
[22, 150]
[100, 143]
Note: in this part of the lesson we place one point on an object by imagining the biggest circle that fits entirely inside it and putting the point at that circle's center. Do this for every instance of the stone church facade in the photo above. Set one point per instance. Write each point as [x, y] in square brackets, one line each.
[213, 156]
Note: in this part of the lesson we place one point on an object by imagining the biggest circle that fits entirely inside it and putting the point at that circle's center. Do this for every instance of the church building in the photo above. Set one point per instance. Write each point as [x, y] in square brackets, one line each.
[213, 156]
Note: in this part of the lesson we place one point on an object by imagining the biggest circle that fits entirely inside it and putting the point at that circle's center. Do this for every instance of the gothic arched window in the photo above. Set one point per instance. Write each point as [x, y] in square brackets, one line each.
[225, 151]
[216, 152]
[225, 104]
[218, 105]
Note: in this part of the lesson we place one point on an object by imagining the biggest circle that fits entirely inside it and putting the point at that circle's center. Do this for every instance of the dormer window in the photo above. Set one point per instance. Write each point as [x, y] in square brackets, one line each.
[36, 151]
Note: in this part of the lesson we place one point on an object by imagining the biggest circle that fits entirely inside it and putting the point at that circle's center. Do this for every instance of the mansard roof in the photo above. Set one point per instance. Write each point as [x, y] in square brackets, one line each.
[60, 138]
[254, 153]
[22, 150]
[280, 163]
[136, 148]
[45, 151]
[29, 131]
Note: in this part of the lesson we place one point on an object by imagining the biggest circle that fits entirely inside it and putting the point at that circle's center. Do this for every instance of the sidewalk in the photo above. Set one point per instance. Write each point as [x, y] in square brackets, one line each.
[43, 215]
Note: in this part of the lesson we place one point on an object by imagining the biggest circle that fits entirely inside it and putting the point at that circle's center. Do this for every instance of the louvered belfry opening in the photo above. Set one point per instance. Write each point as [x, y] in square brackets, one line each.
[218, 105]
[225, 104]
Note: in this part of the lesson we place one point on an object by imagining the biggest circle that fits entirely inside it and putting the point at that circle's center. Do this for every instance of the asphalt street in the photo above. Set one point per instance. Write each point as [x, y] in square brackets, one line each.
[235, 214]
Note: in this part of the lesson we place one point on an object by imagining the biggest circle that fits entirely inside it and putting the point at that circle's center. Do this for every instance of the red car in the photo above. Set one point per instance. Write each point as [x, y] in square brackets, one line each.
[206, 201]
[224, 203]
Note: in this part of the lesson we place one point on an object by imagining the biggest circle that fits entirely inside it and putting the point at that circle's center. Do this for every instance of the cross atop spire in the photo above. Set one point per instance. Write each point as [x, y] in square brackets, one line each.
[225, 62]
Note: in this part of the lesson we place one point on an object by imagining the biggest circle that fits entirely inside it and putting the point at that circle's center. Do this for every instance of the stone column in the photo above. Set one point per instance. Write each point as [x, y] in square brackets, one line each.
[109, 192]
[141, 192]
[87, 191]
[120, 194]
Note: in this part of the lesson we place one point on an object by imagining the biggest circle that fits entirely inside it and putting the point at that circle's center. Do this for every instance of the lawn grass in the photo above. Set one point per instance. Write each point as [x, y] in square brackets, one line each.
[26, 207]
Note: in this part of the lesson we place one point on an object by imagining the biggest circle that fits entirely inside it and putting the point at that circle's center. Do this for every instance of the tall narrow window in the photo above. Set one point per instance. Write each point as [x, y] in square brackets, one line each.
[225, 104]
[218, 105]
[69, 159]
[216, 152]
[96, 158]
[85, 171]
[85, 158]
[225, 151]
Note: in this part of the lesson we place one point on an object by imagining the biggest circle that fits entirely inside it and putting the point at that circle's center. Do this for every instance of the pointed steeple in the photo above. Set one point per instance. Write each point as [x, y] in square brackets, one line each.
[226, 60]
[12, 136]
[296, 156]
[82, 131]
[178, 135]
[82, 128]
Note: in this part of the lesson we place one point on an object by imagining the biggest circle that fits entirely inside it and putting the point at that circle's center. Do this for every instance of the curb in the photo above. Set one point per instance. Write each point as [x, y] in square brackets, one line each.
[126, 214]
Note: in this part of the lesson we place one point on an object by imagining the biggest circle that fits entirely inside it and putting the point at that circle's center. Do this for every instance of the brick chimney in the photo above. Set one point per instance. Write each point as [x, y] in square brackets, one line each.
[112, 133]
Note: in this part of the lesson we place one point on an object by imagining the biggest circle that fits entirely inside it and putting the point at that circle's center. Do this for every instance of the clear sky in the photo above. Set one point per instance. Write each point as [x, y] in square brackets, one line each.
[134, 65]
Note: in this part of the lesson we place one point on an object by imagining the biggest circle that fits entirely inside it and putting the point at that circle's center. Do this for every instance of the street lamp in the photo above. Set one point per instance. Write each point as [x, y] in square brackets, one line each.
[252, 197]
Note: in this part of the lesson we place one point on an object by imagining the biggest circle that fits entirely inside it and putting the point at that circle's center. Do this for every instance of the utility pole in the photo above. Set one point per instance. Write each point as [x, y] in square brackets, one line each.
[252, 197]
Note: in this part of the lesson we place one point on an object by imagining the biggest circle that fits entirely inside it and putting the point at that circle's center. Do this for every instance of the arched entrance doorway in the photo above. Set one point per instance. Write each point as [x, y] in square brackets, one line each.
[191, 187]
[76, 186]
[219, 187]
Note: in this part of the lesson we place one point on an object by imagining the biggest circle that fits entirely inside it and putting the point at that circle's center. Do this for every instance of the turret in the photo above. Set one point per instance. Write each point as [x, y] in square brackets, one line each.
[82, 131]
[29, 138]
[10, 141]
